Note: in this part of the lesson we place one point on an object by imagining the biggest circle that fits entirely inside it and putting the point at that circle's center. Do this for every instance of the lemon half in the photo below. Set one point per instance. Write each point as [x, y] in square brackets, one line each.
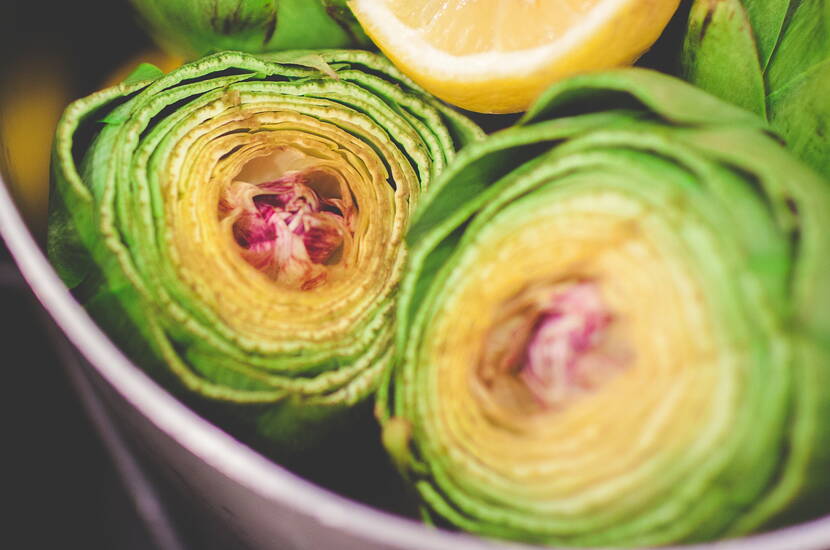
[496, 56]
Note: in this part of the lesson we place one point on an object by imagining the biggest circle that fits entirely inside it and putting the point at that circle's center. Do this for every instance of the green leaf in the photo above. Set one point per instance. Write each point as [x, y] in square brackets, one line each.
[804, 44]
[800, 112]
[145, 71]
[767, 19]
[720, 54]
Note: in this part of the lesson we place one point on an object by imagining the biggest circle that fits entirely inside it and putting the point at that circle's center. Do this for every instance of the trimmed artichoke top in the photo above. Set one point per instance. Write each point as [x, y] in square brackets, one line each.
[615, 327]
[191, 28]
[238, 224]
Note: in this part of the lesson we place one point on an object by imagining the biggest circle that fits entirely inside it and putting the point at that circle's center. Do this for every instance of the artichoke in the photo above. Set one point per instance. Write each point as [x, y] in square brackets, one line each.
[772, 58]
[615, 327]
[237, 225]
[191, 28]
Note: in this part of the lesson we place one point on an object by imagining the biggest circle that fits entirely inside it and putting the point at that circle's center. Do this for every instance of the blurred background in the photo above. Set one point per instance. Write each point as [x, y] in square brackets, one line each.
[62, 485]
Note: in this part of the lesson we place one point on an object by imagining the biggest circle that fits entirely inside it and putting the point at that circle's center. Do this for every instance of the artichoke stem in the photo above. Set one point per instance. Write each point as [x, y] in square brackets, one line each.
[396, 435]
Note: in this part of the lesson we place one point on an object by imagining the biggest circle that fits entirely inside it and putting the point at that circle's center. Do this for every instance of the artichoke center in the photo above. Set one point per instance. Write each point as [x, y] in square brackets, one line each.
[557, 360]
[550, 345]
[286, 229]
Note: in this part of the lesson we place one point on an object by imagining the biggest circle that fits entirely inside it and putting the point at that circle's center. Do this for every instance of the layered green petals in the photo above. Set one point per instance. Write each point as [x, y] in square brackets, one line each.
[237, 225]
[195, 27]
[771, 57]
[614, 330]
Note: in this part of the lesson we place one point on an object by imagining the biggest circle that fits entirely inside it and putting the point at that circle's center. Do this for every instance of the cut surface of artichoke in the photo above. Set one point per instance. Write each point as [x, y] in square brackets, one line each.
[609, 334]
[237, 225]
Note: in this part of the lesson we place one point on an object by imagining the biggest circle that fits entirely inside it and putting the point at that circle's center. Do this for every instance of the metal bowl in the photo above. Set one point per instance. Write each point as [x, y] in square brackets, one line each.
[236, 489]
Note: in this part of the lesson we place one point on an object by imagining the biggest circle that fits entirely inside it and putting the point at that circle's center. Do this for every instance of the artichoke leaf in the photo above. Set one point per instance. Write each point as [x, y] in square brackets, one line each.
[767, 19]
[721, 54]
[770, 57]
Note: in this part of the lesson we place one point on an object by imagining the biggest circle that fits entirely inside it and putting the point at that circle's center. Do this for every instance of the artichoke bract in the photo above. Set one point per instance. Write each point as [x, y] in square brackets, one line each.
[191, 28]
[772, 58]
[237, 225]
[614, 330]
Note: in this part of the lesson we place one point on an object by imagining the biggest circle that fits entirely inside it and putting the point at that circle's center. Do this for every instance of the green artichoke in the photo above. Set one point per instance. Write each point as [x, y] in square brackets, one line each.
[191, 28]
[772, 58]
[615, 326]
[237, 225]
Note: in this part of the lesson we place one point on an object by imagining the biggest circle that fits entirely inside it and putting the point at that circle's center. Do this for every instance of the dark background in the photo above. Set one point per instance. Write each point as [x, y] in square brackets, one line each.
[60, 488]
